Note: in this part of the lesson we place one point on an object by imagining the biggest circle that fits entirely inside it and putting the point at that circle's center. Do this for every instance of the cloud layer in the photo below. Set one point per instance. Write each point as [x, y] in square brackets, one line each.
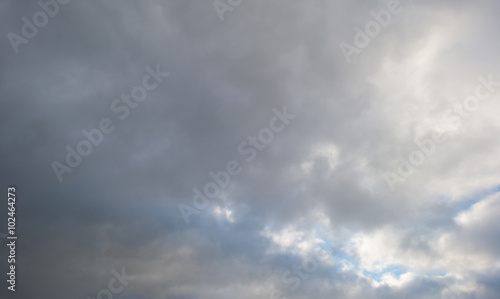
[334, 205]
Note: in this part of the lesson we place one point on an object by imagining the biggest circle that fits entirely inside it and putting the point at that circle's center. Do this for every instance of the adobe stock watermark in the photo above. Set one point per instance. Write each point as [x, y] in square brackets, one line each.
[2, 236]
[116, 285]
[450, 289]
[372, 29]
[248, 148]
[223, 6]
[453, 118]
[121, 107]
[40, 19]
[294, 277]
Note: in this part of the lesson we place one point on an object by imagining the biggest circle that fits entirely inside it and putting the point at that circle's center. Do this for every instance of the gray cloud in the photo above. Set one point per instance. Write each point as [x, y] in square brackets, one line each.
[319, 182]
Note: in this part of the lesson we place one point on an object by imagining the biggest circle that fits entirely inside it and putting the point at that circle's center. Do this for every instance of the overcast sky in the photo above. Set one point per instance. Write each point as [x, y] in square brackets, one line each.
[251, 149]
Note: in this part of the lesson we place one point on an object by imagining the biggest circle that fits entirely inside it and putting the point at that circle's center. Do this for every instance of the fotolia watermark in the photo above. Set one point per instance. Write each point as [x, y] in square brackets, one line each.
[249, 148]
[452, 117]
[223, 6]
[116, 285]
[40, 19]
[121, 107]
[297, 274]
[372, 29]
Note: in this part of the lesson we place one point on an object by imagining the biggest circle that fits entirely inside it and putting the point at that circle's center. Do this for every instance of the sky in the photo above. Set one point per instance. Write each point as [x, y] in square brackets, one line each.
[250, 149]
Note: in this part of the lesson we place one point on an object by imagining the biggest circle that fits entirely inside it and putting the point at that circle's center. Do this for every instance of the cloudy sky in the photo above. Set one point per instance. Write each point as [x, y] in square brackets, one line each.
[251, 149]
